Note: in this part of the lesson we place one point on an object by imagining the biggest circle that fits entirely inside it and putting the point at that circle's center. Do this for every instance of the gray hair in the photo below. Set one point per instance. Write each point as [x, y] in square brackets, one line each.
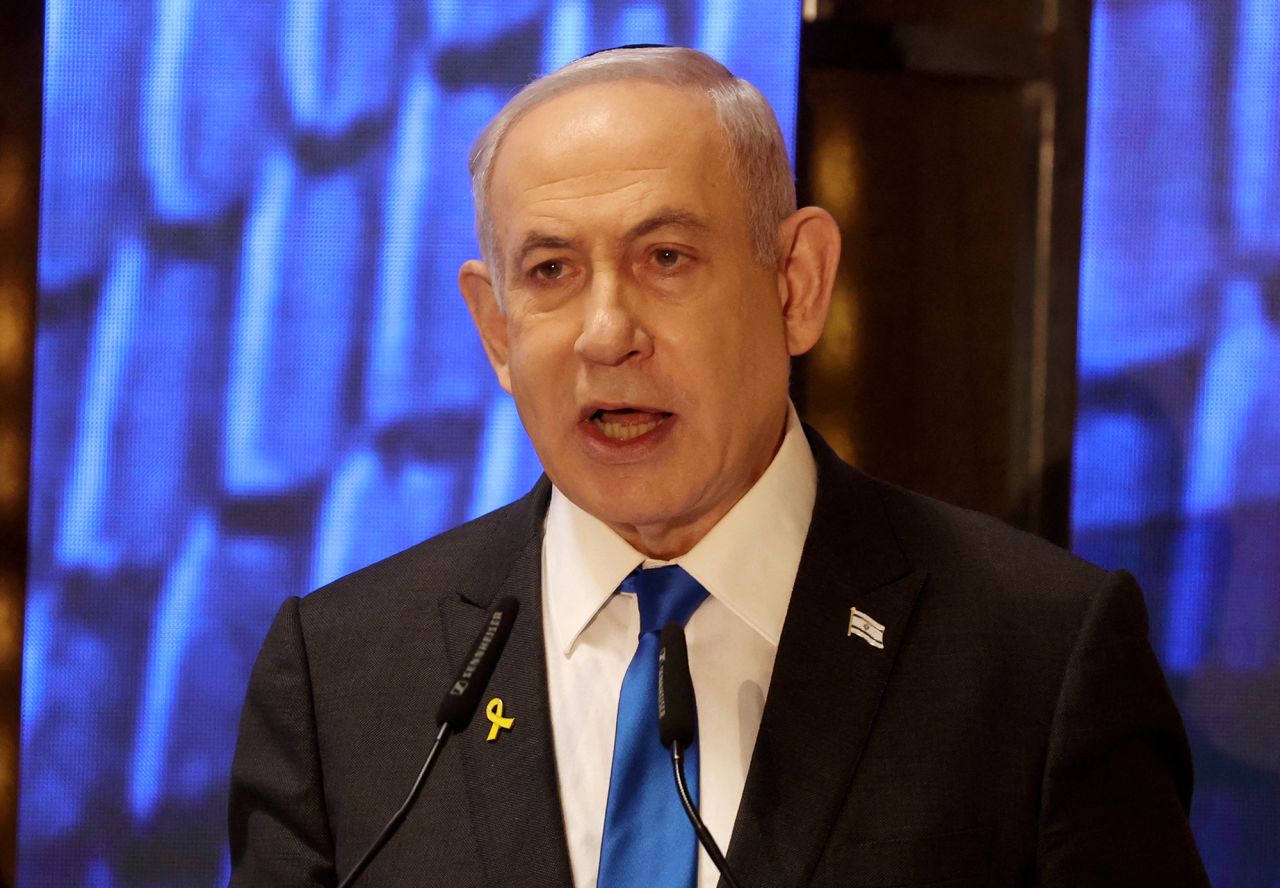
[757, 152]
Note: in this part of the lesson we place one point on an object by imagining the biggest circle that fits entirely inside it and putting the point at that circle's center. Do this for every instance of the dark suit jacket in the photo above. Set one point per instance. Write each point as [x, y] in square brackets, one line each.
[1015, 729]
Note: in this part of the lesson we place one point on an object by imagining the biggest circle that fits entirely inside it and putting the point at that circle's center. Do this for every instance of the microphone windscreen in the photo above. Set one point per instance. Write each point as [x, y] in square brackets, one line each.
[463, 697]
[677, 711]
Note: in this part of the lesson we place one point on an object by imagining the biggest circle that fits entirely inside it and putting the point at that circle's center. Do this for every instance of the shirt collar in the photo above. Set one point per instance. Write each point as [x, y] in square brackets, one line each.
[748, 561]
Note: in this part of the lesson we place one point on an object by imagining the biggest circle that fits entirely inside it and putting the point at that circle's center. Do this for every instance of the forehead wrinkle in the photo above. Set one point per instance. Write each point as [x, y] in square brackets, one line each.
[612, 171]
[534, 193]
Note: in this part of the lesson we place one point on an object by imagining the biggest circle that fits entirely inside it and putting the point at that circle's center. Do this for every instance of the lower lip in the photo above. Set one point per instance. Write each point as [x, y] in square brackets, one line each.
[607, 449]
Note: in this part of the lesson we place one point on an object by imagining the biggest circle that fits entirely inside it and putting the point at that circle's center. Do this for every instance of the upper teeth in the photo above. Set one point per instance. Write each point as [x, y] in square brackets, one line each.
[617, 431]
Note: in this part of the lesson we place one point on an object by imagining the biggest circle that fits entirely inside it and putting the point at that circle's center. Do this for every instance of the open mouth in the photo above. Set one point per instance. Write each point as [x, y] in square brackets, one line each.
[626, 423]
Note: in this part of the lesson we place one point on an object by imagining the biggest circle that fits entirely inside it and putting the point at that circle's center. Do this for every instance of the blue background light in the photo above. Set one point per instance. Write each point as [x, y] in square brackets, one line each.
[1177, 456]
[254, 372]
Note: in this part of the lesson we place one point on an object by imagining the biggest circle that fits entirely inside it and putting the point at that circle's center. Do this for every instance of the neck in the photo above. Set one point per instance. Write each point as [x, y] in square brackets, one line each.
[665, 542]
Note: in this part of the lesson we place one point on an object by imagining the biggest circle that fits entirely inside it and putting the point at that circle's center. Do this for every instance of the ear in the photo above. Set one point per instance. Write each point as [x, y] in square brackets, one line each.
[476, 285]
[808, 253]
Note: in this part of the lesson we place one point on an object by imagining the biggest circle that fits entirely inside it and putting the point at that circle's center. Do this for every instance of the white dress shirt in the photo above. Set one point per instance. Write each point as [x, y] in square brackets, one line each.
[748, 564]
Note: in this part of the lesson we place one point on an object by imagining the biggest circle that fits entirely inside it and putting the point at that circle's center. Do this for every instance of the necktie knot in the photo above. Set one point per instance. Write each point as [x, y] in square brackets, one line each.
[665, 594]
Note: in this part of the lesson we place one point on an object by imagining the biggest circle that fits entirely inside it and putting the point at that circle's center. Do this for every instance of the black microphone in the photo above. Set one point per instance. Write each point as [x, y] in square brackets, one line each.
[456, 709]
[677, 721]
[463, 697]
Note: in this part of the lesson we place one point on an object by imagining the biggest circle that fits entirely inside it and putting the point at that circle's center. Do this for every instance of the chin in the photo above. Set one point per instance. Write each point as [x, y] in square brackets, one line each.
[635, 505]
[634, 511]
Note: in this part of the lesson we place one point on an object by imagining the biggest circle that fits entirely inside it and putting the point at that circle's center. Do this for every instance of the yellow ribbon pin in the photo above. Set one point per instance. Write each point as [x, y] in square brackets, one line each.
[494, 712]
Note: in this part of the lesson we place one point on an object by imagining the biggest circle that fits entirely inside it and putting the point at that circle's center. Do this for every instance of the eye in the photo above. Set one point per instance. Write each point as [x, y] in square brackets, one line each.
[549, 271]
[667, 257]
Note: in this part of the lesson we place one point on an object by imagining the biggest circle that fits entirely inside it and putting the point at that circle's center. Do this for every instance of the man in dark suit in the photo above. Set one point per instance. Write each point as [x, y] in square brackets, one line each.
[891, 691]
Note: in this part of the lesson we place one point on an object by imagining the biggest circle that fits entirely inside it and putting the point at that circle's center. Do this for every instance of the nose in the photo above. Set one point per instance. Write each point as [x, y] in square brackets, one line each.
[612, 331]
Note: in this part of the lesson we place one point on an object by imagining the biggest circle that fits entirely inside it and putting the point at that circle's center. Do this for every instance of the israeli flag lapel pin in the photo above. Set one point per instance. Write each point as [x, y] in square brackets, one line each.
[862, 625]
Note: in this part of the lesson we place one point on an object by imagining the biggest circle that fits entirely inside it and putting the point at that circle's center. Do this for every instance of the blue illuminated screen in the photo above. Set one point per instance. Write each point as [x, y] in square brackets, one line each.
[1177, 455]
[254, 373]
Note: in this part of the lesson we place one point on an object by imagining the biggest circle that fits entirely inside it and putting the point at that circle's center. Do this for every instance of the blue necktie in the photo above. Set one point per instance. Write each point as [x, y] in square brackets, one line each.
[648, 840]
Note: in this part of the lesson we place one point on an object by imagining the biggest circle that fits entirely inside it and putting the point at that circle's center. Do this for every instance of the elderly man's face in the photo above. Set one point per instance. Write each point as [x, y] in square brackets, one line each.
[646, 349]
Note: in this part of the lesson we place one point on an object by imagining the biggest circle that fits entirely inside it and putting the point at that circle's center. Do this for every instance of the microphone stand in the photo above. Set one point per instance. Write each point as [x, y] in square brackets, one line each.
[704, 835]
[397, 818]
[455, 712]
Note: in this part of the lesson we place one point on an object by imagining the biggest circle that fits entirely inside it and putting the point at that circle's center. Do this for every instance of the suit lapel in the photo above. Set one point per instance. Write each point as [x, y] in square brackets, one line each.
[826, 684]
[512, 789]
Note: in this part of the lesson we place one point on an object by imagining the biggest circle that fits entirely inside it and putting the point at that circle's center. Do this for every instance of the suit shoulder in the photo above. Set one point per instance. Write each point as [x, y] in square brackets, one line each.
[971, 554]
[1021, 600]
[974, 552]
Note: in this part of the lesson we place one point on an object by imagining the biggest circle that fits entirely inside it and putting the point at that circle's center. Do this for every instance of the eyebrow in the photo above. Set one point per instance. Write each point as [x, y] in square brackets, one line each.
[663, 218]
[666, 218]
[536, 240]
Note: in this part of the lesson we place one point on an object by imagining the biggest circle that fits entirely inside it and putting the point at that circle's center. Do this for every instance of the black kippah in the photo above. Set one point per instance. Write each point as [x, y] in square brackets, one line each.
[624, 46]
